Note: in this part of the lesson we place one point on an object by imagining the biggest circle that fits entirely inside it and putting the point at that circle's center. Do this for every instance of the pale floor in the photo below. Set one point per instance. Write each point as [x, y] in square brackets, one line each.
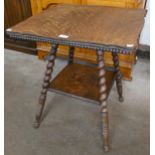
[71, 126]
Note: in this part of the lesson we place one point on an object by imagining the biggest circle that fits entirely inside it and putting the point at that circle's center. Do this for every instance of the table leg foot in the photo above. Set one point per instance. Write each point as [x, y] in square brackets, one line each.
[105, 121]
[106, 148]
[118, 76]
[36, 125]
[121, 99]
[103, 100]
[46, 82]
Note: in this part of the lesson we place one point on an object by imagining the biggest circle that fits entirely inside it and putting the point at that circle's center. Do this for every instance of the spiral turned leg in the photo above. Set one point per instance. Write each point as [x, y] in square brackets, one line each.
[47, 78]
[103, 98]
[118, 76]
[71, 54]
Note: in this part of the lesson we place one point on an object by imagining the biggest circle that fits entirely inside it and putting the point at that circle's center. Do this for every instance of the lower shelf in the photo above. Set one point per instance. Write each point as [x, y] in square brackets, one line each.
[80, 81]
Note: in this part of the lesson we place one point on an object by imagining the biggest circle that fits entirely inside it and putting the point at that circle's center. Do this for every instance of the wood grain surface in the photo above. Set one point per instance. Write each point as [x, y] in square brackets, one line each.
[94, 24]
[81, 80]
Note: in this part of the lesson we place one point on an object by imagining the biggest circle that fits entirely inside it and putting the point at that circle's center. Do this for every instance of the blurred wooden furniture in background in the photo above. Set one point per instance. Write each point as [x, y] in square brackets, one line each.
[126, 61]
[16, 11]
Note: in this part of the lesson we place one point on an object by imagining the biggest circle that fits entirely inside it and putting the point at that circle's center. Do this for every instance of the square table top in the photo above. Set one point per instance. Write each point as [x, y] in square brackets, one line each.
[83, 26]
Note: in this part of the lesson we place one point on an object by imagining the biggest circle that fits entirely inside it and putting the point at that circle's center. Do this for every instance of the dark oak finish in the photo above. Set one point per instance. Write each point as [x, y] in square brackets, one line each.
[71, 54]
[72, 21]
[118, 76]
[16, 11]
[47, 78]
[75, 79]
[81, 80]
[103, 99]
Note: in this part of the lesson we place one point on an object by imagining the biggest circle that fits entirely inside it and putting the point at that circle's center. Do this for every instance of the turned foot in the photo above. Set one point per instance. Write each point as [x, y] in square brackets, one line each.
[106, 148]
[36, 124]
[121, 99]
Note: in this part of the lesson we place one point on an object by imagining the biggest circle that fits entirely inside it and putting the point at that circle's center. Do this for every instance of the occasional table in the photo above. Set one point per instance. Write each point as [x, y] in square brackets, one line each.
[99, 28]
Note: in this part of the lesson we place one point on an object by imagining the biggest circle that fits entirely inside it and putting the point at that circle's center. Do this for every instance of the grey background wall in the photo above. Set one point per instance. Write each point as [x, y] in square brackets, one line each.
[145, 35]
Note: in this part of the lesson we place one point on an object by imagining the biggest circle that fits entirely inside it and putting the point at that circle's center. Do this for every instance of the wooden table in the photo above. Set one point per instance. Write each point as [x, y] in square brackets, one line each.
[92, 27]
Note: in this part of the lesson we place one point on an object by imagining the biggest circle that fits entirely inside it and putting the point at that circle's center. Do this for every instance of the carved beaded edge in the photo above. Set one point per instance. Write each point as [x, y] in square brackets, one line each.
[88, 45]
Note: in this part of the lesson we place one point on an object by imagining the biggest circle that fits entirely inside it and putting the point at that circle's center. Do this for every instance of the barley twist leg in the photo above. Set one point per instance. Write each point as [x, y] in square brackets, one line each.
[71, 54]
[118, 76]
[46, 82]
[103, 99]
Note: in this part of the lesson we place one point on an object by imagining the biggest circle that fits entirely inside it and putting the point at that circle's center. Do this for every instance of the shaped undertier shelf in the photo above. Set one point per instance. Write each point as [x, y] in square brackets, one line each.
[80, 81]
